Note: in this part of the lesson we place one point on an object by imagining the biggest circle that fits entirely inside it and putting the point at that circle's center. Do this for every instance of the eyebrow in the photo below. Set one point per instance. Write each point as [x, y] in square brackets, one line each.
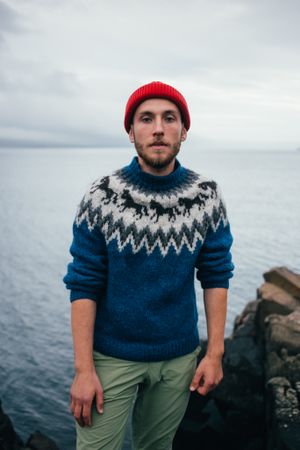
[150, 113]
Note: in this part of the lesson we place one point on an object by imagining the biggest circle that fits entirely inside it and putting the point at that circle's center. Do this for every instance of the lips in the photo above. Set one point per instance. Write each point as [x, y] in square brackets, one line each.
[158, 144]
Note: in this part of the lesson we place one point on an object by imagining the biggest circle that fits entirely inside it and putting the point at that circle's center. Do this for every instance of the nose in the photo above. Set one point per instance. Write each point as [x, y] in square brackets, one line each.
[158, 126]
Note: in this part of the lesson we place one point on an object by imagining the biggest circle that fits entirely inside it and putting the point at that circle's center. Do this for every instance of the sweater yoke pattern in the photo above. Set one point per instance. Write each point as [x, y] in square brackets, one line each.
[134, 212]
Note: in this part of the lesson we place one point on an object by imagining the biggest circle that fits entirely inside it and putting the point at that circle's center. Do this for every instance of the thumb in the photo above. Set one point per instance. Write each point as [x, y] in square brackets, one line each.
[99, 401]
[196, 380]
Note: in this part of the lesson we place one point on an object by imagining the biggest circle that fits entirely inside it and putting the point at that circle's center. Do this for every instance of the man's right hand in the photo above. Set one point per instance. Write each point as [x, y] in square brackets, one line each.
[85, 388]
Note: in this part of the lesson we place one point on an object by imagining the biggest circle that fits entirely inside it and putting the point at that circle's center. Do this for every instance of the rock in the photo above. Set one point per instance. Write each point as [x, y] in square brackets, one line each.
[283, 332]
[242, 386]
[256, 406]
[206, 426]
[244, 324]
[283, 415]
[283, 365]
[297, 387]
[9, 440]
[257, 443]
[242, 432]
[231, 416]
[273, 300]
[285, 279]
[38, 441]
[202, 423]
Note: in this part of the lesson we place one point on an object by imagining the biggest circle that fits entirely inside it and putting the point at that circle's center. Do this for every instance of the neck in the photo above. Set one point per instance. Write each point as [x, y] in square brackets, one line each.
[158, 171]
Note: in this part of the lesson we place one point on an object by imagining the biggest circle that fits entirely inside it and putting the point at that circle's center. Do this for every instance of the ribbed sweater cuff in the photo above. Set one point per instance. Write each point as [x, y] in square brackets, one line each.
[77, 295]
[215, 284]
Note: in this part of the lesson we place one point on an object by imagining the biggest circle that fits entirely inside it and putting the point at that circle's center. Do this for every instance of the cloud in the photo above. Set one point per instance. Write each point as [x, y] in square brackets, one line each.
[68, 74]
[9, 22]
[8, 18]
[30, 78]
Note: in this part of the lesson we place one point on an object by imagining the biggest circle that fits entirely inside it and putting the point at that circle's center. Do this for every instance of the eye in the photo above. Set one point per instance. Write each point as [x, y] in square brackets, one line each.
[146, 119]
[170, 118]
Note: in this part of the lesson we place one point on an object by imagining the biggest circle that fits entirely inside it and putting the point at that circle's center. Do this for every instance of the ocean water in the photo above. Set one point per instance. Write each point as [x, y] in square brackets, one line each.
[39, 194]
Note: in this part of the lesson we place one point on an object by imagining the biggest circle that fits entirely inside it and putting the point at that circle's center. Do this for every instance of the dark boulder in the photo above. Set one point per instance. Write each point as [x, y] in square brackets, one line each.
[38, 441]
[9, 440]
[242, 387]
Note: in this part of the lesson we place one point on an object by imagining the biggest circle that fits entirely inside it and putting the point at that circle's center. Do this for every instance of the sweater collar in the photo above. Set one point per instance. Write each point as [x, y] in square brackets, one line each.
[136, 175]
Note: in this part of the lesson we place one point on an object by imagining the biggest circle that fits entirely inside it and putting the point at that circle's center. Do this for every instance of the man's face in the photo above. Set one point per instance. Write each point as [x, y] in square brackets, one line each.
[157, 132]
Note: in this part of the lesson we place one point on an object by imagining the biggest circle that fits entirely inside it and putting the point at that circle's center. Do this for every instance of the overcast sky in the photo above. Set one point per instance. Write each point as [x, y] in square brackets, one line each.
[68, 67]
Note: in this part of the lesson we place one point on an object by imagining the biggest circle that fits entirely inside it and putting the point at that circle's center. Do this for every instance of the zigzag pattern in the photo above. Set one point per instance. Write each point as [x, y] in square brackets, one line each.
[138, 217]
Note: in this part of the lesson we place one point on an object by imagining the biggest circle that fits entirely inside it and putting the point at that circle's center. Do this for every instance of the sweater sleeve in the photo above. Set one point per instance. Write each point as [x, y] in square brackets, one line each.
[86, 274]
[214, 263]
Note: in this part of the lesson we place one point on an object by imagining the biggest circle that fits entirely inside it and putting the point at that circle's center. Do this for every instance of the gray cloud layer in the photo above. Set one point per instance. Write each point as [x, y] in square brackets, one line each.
[68, 67]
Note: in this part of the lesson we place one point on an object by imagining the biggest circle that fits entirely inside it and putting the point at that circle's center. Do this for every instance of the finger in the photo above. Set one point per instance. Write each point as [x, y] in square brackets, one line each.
[86, 414]
[77, 414]
[202, 390]
[80, 422]
[206, 388]
[72, 405]
[99, 401]
[197, 380]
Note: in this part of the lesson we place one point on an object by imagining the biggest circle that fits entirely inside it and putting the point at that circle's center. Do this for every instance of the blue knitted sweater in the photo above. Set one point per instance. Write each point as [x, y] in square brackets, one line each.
[138, 239]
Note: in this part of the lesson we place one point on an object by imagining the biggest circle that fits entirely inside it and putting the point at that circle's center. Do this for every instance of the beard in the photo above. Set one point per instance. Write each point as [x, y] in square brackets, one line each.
[159, 160]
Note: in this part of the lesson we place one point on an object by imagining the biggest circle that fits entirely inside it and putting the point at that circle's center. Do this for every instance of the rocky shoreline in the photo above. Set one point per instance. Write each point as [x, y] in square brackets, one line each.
[257, 404]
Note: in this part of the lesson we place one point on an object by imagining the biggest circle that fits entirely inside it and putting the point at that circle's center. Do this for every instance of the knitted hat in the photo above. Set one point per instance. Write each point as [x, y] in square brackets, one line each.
[156, 89]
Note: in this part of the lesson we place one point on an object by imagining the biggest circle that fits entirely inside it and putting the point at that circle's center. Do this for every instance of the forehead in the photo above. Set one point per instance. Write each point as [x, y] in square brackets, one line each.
[157, 106]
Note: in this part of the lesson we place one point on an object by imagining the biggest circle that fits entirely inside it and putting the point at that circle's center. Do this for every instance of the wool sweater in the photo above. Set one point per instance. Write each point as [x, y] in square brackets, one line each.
[138, 240]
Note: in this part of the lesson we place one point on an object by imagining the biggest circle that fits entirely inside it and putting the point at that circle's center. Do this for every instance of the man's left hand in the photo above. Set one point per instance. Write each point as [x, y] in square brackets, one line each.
[208, 375]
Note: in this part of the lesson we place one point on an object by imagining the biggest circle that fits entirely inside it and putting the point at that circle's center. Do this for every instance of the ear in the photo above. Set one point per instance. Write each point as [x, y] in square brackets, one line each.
[183, 134]
[131, 135]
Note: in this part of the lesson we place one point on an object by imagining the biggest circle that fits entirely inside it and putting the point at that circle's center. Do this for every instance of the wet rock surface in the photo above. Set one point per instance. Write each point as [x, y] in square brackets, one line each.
[38, 441]
[257, 404]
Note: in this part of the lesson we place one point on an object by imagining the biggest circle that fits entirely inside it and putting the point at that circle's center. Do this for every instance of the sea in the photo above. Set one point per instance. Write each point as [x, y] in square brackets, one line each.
[40, 190]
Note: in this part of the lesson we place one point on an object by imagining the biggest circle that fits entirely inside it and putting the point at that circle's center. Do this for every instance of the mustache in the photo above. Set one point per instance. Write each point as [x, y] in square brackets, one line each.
[158, 143]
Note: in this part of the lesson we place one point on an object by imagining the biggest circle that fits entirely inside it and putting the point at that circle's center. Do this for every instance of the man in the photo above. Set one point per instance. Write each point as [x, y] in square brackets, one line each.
[139, 236]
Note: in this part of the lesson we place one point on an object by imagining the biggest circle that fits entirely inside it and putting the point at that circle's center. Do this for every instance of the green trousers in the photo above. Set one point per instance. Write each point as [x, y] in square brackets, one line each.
[156, 393]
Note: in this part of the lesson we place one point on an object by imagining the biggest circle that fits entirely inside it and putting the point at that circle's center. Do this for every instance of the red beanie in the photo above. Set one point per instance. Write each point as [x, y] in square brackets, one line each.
[156, 89]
